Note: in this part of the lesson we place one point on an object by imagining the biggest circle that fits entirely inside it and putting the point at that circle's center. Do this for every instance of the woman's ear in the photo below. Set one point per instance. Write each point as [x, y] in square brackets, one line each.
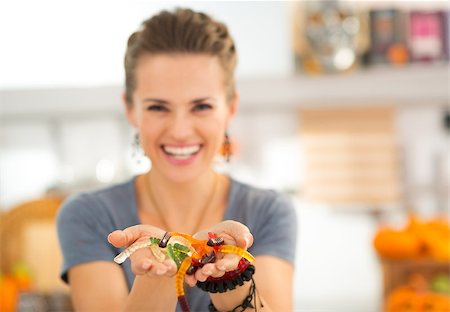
[233, 104]
[129, 110]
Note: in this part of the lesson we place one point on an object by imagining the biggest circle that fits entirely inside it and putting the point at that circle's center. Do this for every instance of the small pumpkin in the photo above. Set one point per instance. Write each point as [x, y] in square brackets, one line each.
[8, 294]
[402, 299]
[436, 302]
[396, 244]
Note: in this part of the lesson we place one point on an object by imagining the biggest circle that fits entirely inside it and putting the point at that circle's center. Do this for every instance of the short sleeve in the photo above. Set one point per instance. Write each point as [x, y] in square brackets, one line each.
[82, 236]
[275, 230]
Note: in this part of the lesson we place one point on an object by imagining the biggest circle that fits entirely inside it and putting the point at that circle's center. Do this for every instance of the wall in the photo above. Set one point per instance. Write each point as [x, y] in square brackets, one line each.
[73, 134]
[81, 43]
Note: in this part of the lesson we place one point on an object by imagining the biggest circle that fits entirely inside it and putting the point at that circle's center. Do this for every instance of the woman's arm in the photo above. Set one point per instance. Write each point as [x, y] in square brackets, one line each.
[101, 286]
[97, 286]
[273, 279]
[152, 294]
[273, 276]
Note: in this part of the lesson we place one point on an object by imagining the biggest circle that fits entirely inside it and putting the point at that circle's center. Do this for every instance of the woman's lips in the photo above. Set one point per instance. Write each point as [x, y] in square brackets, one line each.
[181, 154]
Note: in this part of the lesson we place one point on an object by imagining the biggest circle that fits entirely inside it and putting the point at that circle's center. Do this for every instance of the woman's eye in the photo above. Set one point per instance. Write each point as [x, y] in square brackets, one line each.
[202, 106]
[157, 108]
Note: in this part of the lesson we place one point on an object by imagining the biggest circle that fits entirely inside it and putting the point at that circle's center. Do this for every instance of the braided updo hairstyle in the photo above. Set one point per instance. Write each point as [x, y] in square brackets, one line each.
[181, 31]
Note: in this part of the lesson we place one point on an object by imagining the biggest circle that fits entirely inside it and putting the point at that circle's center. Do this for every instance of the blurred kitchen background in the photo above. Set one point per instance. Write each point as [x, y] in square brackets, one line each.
[344, 107]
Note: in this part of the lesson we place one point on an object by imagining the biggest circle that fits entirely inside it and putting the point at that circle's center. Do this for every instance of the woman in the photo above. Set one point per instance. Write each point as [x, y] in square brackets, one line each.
[180, 96]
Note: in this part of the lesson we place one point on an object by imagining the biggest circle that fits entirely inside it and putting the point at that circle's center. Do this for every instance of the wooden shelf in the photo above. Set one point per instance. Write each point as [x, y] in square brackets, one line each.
[409, 85]
[419, 84]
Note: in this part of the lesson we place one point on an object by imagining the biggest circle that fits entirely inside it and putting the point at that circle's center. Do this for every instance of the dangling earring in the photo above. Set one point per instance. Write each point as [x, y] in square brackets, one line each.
[137, 152]
[226, 148]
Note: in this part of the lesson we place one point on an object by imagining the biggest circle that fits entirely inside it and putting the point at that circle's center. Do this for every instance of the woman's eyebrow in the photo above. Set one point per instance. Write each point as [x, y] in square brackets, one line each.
[203, 99]
[165, 102]
[158, 101]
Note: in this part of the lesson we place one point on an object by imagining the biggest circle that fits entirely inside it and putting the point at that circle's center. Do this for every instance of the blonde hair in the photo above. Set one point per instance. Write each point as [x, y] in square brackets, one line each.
[181, 31]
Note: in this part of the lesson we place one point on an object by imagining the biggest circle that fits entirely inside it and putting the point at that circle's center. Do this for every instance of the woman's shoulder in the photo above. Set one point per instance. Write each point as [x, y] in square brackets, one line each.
[246, 195]
[97, 200]
[270, 216]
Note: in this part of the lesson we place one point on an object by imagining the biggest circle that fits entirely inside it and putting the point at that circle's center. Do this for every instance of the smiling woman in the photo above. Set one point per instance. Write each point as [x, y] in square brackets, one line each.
[180, 97]
[180, 109]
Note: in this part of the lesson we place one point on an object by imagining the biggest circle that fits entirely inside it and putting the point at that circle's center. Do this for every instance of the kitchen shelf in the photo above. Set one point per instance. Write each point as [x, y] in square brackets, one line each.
[409, 85]
[418, 84]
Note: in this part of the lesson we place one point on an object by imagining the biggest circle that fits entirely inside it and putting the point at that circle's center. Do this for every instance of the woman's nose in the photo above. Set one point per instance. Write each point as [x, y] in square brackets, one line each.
[180, 127]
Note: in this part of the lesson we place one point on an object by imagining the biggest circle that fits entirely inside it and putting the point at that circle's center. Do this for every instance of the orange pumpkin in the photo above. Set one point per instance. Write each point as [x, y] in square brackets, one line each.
[8, 294]
[440, 249]
[437, 239]
[396, 244]
[418, 239]
[434, 236]
[416, 297]
[403, 299]
[436, 302]
[440, 225]
[417, 228]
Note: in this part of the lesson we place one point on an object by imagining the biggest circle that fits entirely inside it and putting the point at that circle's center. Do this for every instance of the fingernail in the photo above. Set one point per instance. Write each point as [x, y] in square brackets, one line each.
[207, 272]
[221, 267]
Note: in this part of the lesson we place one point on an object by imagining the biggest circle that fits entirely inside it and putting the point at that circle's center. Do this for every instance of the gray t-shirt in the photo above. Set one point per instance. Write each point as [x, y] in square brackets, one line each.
[85, 220]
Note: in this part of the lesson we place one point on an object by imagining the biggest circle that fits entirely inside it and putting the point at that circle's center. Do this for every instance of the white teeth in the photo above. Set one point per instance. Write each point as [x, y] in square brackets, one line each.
[181, 152]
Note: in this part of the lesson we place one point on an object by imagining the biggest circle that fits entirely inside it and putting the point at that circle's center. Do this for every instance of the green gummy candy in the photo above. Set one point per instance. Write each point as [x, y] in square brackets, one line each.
[181, 248]
[155, 240]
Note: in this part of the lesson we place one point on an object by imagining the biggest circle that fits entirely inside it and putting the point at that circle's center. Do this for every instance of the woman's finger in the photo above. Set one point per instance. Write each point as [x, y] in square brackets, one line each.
[156, 270]
[171, 267]
[190, 280]
[229, 262]
[205, 272]
[238, 231]
[210, 269]
[141, 267]
[166, 268]
[141, 261]
[232, 231]
[123, 238]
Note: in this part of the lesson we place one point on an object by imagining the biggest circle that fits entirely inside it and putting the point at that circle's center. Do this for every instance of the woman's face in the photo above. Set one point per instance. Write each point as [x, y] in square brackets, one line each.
[180, 110]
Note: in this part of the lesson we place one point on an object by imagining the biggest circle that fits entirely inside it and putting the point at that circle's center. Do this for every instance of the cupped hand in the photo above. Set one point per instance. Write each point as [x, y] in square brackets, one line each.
[233, 233]
[142, 261]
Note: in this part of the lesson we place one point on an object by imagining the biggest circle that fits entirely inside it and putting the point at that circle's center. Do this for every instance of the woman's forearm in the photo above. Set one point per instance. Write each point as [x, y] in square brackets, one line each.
[152, 294]
[229, 300]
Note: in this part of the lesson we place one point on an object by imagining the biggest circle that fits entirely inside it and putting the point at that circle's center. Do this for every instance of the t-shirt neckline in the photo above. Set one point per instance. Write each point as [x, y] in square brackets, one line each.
[228, 209]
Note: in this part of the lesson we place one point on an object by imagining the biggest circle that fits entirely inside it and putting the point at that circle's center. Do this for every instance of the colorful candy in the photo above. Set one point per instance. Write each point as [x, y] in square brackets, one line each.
[187, 252]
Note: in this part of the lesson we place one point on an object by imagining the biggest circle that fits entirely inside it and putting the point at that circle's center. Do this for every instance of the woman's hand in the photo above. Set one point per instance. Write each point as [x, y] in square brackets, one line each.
[233, 233]
[142, 261]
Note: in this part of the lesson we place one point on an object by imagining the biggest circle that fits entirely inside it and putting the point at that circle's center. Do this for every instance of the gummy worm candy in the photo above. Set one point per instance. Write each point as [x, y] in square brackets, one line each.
[120, 258]
[238, 251]
[187, 252]
[179, 279]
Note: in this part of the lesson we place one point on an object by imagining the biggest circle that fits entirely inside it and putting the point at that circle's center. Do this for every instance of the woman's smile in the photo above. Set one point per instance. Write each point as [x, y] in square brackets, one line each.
[181, 154]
